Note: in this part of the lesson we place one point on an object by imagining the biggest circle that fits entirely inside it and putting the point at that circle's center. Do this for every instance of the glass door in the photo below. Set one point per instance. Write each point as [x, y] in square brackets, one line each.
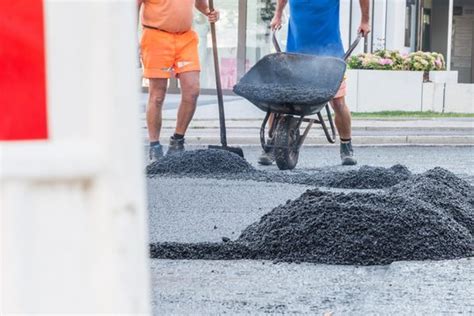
[258, 32]
[227, 35]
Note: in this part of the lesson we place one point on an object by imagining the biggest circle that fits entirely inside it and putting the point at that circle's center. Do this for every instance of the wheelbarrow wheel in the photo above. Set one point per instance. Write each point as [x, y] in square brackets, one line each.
[286, 138]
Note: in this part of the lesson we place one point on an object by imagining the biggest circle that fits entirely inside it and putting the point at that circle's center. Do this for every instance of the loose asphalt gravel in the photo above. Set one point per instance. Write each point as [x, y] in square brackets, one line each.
[221, 164]
[205, 210]
[355, 228]
[277, 94]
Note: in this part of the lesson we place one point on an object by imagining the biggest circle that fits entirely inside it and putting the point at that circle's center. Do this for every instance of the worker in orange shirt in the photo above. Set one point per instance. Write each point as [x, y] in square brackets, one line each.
[169, 47]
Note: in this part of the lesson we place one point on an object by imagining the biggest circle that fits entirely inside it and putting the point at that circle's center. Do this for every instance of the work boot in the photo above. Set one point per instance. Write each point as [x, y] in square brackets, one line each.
[266, 158]
[155, 152]
[347, 154]
[176, 145]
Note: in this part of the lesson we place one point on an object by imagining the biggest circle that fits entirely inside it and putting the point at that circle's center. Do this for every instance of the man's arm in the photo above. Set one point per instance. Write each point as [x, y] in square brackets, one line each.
[203, 7]
[139, 5]
[364, 27]
[276, 21]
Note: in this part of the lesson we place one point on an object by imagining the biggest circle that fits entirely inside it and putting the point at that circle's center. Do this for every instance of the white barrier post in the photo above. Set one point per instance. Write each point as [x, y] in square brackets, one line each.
[72, 202]
[450, 35]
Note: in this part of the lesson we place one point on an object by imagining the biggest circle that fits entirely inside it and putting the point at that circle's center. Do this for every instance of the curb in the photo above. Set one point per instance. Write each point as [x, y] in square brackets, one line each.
[364, 140]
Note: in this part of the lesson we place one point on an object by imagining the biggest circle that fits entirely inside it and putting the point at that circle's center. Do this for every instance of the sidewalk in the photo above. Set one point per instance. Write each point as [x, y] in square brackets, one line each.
[243, 123]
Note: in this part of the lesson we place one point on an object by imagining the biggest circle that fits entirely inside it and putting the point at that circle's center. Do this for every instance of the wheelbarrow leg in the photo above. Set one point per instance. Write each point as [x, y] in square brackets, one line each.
[305, 133]
[270, 118]
[331, 122]
[330, 137]
[263, 141]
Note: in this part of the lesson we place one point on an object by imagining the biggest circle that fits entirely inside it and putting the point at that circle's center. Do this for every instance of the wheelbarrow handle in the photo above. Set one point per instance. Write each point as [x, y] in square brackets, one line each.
[353, 46]
[275, 42]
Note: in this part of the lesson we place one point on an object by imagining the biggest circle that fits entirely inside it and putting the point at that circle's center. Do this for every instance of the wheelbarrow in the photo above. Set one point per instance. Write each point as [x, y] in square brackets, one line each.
[289, 87]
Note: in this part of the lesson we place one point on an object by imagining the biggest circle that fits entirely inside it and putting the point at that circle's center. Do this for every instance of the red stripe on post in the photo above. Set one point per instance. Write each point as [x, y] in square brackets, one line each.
[23, 113]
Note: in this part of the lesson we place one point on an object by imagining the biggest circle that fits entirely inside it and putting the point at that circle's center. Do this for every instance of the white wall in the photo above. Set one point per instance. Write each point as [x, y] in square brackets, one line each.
[459, 98]
[382, 90]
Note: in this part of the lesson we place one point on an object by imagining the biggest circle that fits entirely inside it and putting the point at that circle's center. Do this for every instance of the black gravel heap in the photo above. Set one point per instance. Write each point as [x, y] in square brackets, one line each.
[445, 191]
[427, 217]
[368, 177]
[275, 93]
[200, 162]
[211, 163]
[205, 251]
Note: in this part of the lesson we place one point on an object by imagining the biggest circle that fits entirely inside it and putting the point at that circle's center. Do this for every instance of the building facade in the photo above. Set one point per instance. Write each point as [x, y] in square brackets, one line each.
[244, 35]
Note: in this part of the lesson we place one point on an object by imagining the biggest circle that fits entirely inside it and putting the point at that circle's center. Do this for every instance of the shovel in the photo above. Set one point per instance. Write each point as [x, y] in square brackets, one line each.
[220, 99]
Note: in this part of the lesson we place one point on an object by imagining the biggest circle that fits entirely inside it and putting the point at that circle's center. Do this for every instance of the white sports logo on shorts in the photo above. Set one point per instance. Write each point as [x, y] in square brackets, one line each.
[182, 64]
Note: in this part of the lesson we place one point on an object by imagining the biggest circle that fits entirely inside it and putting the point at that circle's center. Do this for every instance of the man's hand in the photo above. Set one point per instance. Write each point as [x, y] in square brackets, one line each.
[213, 16]
[364, 28]
[276, 22]
[202, 5]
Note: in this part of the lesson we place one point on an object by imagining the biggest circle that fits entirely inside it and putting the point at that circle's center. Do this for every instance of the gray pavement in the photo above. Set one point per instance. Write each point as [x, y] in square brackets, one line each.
[197, 210]
[207, 210]
[262, 288]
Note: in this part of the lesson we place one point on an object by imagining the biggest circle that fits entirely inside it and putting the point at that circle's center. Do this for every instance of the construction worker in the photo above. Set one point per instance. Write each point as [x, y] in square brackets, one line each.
[169, 47]
[314, 29]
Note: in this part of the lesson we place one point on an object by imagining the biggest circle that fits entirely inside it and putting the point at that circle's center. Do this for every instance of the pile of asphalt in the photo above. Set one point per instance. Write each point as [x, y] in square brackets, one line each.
[275, 93]
[221, 164]
[427, 217]
[445, 191]
[368, 177]
[200, 162]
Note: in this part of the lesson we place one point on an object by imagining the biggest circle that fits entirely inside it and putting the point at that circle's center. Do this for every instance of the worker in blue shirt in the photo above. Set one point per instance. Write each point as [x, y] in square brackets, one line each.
[314, 29]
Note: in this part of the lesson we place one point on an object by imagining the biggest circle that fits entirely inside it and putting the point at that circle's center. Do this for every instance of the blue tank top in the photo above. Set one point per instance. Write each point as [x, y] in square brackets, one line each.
[314, 28]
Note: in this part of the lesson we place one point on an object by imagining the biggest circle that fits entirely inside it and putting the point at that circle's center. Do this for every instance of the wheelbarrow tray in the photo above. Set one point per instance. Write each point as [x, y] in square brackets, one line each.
[289, 83]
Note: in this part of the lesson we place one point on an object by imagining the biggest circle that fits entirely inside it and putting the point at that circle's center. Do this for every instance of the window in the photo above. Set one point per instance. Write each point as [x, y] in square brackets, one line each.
[411, 23]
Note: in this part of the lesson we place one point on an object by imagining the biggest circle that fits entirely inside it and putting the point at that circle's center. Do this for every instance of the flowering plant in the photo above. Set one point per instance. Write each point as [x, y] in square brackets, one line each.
[393, 60]
[396, 59]
[370, 61]
[425, 61]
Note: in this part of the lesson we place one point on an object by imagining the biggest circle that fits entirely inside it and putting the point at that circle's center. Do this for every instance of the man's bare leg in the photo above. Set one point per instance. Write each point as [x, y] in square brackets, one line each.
[189, 95]
[343, 121]
[343, 118]
[157, 93]
[156, 97]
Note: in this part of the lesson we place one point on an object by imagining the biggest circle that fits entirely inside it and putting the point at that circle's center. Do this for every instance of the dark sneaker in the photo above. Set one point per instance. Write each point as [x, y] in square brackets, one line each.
[347, 155]
[266, 158]
[176, 145]
[156, 152]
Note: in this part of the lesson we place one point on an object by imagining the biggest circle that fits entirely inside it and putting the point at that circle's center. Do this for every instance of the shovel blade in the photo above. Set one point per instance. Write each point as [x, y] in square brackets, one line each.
[235, 150]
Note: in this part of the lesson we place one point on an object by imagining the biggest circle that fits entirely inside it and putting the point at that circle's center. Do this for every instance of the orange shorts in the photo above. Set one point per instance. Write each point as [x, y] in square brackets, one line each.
[164, 54]
[342, 92]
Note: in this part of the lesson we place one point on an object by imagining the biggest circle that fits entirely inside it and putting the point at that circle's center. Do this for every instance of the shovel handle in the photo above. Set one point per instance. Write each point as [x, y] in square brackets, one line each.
[220, 97]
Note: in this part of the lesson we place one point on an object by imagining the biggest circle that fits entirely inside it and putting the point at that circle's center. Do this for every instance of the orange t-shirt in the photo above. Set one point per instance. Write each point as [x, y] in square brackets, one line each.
[174, 16]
